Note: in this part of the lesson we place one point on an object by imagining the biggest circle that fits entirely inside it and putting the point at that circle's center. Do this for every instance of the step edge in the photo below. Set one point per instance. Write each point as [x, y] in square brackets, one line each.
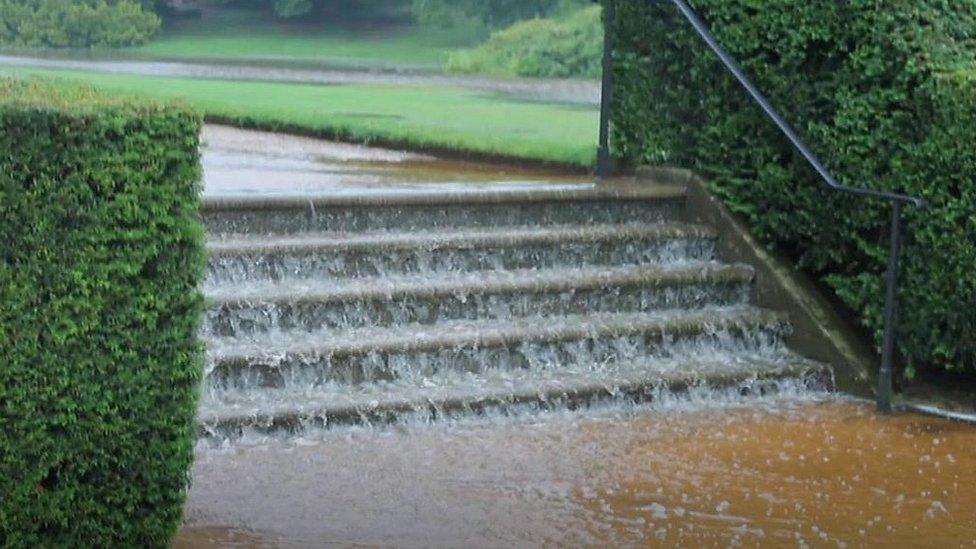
[235, 245]
[503, 333]
[503, 282]
[214, 203]
[674, 381]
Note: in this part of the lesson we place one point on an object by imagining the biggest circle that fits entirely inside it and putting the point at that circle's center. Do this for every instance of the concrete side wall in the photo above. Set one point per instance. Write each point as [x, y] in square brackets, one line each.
[821, 332]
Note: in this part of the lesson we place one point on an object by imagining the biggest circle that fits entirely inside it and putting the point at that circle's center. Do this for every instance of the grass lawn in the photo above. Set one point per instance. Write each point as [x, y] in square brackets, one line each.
[235, 34]
[417, 117]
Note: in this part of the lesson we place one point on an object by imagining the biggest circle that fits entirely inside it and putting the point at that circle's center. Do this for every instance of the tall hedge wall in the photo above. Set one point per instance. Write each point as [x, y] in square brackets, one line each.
[100, 365]
[880, 92]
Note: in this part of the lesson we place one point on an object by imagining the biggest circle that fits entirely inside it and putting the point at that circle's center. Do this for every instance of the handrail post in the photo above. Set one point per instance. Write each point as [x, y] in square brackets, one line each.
[603, 162]
[888, 350]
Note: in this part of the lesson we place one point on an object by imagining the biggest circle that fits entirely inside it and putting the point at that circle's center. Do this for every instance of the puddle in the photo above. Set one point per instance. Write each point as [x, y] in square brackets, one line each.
[803, 473]
[213, 536]
[237, 161]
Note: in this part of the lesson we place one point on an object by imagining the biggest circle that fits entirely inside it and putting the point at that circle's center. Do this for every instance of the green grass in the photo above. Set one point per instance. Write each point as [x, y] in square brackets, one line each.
[248, 35]
[417, 117]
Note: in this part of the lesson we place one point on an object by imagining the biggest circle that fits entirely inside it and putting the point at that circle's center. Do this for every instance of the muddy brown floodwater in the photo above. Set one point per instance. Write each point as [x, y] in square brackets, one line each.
[826, 473]
[245, 162]
[807, 470]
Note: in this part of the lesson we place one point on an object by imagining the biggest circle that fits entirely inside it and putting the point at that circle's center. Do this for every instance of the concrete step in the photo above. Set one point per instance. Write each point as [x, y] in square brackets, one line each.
[242, 258]
[244, 310]
[431, 211]
[391, 305]
[417, 352]
[233, 415]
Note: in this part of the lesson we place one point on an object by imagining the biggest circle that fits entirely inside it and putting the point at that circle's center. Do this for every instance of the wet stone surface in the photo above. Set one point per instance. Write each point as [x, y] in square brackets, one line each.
[796, 471]
[511, 419]
[240, 162]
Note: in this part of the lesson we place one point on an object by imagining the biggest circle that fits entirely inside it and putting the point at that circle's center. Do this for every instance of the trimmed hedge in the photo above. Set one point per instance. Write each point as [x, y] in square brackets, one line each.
[100, 365]
[876, 88]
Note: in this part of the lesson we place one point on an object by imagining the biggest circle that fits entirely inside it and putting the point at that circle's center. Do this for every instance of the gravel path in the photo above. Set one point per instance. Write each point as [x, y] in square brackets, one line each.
[581, 92]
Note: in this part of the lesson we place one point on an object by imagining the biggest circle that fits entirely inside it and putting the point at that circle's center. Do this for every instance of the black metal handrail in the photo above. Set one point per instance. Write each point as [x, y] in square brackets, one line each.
[889, 344]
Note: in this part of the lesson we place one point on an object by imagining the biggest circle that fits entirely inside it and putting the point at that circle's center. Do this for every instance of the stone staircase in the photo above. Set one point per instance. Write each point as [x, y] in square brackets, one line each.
[401, 305]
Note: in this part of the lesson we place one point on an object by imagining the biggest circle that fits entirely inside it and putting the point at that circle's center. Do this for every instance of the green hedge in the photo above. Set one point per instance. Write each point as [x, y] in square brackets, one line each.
[564, 46]
[75, 23]
[877, 89]
[488, 14]
[100, 365]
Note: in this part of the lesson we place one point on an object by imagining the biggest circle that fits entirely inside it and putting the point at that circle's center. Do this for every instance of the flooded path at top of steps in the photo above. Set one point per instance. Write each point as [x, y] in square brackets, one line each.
[247, 162]
[808, 472]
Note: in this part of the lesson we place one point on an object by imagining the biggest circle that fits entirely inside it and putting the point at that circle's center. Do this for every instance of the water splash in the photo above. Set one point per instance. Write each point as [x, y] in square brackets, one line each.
[409, 309]
[322, 261]
[292, 358]
[312, 424]
[249, 310]
[292, 217]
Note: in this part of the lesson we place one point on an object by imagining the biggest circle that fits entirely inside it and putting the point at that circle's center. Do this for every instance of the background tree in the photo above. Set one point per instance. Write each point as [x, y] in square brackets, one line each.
[76, 23]
[492, 14]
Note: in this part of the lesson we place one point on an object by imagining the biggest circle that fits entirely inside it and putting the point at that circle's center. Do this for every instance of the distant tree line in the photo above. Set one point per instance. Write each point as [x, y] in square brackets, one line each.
[76, 23]
[493, 14]
[115, 23]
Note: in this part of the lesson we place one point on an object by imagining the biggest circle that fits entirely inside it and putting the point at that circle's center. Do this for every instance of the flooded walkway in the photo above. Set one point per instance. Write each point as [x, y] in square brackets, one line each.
[246, 162]
[579, 92]
[786, 473]
[714, 469]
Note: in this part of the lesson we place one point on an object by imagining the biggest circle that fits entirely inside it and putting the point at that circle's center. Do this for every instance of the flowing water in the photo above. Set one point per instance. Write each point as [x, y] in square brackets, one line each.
[794, 471]
[243, 162]
[409, 352]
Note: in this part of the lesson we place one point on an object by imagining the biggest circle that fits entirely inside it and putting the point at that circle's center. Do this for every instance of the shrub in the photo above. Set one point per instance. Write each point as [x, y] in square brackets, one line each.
[99, 359]
[292, 8]
[872, 86]
[488, 14]
[557, 47]
[75, 23]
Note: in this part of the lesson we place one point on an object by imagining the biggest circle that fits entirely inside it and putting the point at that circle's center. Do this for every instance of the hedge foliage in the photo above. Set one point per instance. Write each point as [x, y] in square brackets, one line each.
[876, 89]
[563, 46]
[100, 365]
[489, 14]
[75, 23]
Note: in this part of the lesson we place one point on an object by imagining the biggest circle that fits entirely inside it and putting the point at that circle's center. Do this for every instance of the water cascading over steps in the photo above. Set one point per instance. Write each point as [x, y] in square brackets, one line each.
[379, 307]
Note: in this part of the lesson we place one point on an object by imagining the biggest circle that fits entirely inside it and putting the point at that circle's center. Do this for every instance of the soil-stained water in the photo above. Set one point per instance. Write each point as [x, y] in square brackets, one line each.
[820, 474]
[246, 162]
